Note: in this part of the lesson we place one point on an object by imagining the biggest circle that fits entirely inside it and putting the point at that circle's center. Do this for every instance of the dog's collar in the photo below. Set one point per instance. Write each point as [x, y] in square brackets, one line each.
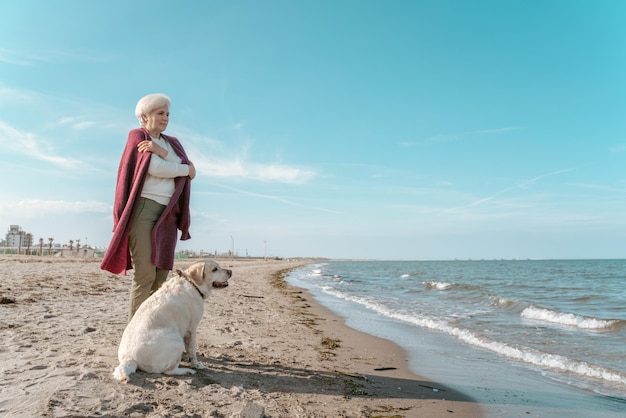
[197, 288]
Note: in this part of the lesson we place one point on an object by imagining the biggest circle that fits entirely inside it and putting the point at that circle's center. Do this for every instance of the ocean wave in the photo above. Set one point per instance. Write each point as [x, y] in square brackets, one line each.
[569, 319]
[507, 304]
[503, 302]
[524, 354]
[438, 285]
[383, 310]
[435, 285]
[542, 359]
[318, 274]
[518, 353]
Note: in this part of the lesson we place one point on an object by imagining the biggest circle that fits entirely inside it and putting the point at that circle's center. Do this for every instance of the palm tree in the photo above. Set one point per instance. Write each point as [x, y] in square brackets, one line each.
[29, 237]
[40, 246]
[50, 246]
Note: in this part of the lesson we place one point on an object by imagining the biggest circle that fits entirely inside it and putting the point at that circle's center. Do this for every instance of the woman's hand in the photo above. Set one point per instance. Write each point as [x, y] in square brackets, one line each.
[192, 170]
[153, 147]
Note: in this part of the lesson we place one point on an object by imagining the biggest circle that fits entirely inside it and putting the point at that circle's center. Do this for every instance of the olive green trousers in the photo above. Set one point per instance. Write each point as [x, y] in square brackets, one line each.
[148, 278]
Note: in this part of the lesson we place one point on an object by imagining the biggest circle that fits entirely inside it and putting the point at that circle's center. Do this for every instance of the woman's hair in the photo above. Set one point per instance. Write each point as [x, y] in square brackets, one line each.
[148, 103]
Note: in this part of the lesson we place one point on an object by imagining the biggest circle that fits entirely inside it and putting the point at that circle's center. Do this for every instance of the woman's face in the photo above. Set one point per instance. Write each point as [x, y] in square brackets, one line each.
[156, 121]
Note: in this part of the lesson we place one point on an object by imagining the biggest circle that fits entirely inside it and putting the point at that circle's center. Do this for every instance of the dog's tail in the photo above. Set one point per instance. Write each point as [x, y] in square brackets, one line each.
[124, 370]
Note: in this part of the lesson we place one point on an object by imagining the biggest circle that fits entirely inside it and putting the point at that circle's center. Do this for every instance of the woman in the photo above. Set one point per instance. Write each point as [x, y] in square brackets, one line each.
[151, 202]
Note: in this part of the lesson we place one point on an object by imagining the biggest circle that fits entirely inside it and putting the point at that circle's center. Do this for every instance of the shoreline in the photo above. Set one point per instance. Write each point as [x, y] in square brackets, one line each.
[268, 346]
[383, 365]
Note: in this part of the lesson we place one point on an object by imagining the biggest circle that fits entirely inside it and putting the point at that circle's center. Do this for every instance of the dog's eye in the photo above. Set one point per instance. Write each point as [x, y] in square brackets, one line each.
[214, 269]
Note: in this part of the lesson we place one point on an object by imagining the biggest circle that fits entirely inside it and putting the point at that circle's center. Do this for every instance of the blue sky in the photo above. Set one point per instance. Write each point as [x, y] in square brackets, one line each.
[345, 129]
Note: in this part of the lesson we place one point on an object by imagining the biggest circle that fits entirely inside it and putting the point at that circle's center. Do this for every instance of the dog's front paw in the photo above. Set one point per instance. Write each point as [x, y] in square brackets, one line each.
[198, 365]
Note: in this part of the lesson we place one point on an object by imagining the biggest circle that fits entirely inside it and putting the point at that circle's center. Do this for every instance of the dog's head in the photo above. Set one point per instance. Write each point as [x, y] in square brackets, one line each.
[205, 274]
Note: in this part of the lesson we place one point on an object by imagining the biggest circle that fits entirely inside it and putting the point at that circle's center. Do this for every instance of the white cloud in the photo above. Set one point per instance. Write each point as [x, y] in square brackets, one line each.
[36, 208]
[84, 124]
[520, 185]
[276, 198]
[32, 146]
[238, 167]
[11, 96]
[17, 58]
[74, 123]
[29, 58]
[81, 118]
[214, 159]
[61, 219]
[280, 173]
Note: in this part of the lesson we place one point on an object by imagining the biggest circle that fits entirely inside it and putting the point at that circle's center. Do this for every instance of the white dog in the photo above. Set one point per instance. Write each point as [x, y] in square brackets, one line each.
[165, 324]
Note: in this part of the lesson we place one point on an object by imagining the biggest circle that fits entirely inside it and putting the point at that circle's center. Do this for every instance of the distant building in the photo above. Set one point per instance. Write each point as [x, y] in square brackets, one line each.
[16, 237]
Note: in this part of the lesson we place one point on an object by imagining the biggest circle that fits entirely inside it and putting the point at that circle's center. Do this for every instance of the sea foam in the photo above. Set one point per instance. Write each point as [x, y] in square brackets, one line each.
[569, 319]
[438, 285]
[519, 353]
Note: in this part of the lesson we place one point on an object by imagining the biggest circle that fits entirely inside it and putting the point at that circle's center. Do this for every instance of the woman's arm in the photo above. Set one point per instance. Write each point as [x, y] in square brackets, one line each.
[167, 169]
[192, 170]
[165, 164]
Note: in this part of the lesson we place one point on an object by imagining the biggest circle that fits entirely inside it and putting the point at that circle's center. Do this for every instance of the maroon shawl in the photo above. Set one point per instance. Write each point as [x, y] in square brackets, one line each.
[131, 174]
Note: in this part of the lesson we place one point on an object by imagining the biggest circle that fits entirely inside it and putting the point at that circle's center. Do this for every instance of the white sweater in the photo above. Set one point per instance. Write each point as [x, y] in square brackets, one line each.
[159, 183]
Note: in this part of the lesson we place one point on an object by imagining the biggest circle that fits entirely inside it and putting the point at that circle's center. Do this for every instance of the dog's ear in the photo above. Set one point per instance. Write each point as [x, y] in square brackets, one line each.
[196, 273]
[180, 273]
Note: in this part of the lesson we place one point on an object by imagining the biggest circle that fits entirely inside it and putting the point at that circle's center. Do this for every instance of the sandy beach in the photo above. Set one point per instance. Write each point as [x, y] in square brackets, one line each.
[270, 349]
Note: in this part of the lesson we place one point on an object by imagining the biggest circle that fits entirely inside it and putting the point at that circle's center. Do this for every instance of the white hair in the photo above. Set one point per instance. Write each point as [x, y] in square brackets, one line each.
[148, 103]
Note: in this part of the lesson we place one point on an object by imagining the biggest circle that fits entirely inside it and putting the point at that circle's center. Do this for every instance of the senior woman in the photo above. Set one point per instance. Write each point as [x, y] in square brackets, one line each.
[151, 202]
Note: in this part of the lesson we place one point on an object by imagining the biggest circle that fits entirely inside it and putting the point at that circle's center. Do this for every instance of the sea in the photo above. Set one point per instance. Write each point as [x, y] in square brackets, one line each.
[538, 338]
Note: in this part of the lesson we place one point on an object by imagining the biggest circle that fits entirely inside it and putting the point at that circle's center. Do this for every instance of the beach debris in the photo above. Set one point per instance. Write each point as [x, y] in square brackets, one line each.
[330, 343]
[388, 409]
[433, 388]
[6, 301]
[382, 369]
